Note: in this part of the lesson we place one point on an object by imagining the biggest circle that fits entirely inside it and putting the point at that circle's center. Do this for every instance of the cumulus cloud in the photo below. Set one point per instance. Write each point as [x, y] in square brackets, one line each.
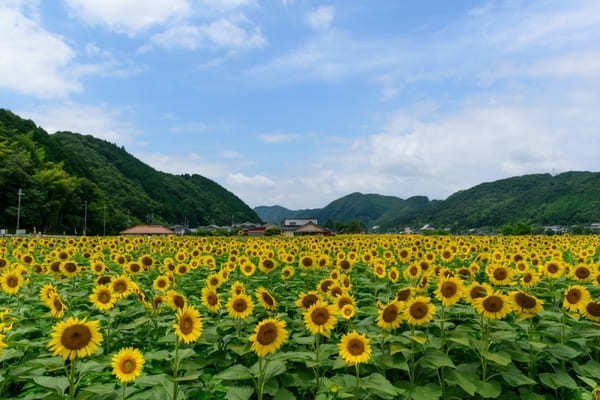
[234, 33]
[277, 137]
[34, 61]
[128, 16]
[320, 18]
[99, 121]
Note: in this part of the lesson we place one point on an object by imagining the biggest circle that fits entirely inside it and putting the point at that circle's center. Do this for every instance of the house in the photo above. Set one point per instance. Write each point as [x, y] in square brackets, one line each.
[595, 226]
[147, 230]
[556, 228]
[181, 230]
[311, 228]
[296, 222]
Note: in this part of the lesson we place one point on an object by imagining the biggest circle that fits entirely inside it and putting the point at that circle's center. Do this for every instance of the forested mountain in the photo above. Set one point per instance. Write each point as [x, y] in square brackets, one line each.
[368, 209]
[61, 171]
[566, 199]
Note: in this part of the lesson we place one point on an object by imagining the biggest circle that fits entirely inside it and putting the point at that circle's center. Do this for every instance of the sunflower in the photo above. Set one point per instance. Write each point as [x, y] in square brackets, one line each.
[98, 268]
[266, 299]
[325, 285]
[493, 306]
[69, 268]
[379, 271]
[390, 316]
[449, 291]
[248, 268]
[477, 290]
[344, 265]
[121, 286]
[210, 299]
[237, 288]
[11, 282]
[419, 310]
[576, 297]
[306, 262]
[404, 294]
[213, 281]
[320, 318]
[188, 327]
[347, 311]
[530, 278]
[393, 274]
[161, 283]
[240, 306]
[412, 272]
[354, 348]
[134, 268]
[582, 273]
[127, 364]
[553, 269]
[2, 344]
[306, 300]
[46, 293]
[525, 305]
[75, 338]
[103, 298]
[592, 310]
[344, 300]
[499, 275]
[104, 280]
[176, 300]
[267, 265]
[287, 272]
[269, 335]
[57, 307]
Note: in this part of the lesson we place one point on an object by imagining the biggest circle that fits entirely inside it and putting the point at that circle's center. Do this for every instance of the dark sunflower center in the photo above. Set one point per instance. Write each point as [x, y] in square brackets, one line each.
[524, 301]
[403, 294]
[309, 300]
[336, 291]
[500, 274]
[478, 292]
[267, 334]
[527, 278]
[128, 366]
[320, 316]
[574, 296]
[104, 297]
[55, 266]
[240, 305]
[345, 265]
[162, 283]
[552, 268]
[12, 281]
[326, 285]
[268, 264]
[593, 308]
[390, 313]
[70, 267]
[267, 298]
[178, 301]
[343, 301]
[76, 337]
[103, 280]
[582, 272]
[448, 289]
[186, 324]
[307, 261]
[120, 286]
[214, 281]
[493, 304]
[212, 299]
[418, 310]
[57, 304]
[356, 347]
[147, 261]
[135, 268]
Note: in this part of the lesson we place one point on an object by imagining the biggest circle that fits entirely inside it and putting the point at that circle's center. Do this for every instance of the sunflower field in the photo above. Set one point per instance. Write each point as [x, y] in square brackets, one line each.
[357, 316]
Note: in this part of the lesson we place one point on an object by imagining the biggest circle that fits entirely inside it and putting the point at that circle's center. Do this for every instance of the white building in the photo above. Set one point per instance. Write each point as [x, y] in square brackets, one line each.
[296, 222]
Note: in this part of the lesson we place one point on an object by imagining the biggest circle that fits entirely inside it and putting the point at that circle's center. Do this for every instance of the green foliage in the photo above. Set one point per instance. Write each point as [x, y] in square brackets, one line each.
[59, 172]
[518, 228]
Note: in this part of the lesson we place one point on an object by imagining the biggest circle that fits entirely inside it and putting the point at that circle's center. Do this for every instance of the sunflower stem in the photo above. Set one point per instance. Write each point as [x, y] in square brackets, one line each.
[411, 367]
[124, 394]
[260, 385]
[443, 329]
[176, 370]
[357, 389]
[484, 347]
[317, 359]
[531, 355]
[72, 380]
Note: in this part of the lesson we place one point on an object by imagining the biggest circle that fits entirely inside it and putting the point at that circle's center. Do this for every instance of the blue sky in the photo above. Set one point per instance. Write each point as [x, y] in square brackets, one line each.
[297, 102]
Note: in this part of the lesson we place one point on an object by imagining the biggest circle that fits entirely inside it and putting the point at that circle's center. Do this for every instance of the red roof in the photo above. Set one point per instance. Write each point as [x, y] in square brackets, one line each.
[147, 230]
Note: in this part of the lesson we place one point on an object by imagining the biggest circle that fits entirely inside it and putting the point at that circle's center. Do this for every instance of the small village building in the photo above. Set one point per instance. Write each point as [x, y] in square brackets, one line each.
[311, 228]
[147, 230]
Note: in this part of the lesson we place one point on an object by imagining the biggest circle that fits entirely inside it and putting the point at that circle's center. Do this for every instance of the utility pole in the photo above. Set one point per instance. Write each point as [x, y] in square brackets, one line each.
[84, 217]
[19, 193]
[104, 222]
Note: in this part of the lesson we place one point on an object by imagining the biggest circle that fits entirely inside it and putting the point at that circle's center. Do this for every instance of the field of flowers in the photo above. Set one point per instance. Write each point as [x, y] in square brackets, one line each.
[360, 316]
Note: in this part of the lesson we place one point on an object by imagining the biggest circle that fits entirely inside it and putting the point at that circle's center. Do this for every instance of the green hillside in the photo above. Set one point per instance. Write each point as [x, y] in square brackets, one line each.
[369, 209]
[59, 172]
[566, 199]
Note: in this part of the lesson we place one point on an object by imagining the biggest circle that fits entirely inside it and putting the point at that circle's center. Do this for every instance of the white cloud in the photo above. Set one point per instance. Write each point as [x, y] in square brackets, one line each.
[223, 32]
[230, 155]
[98, 121]
[184, 163]
[256, 181]
[129, 16]
[320, 18]
[34, 61]
[277, 137]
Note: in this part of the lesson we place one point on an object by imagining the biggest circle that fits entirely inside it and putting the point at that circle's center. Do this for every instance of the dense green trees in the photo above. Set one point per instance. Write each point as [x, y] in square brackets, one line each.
[59, 173]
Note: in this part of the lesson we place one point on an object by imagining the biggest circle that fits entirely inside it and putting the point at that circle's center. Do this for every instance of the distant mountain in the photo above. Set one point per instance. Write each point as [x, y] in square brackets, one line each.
[61, 171]
[369, 209]
[566, 199]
